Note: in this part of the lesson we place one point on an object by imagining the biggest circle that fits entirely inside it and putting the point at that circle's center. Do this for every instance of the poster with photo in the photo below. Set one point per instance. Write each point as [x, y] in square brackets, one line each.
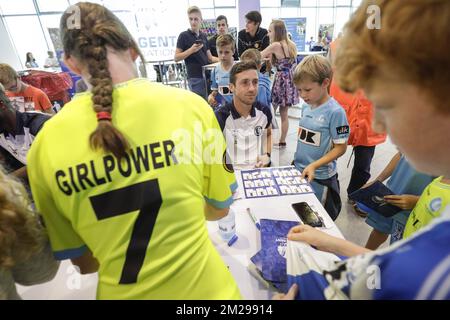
[274, 182]
[296, 27]
[209, 28]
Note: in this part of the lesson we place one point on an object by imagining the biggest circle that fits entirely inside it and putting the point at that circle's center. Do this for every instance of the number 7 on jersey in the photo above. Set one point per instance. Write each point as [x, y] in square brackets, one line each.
[145, 197]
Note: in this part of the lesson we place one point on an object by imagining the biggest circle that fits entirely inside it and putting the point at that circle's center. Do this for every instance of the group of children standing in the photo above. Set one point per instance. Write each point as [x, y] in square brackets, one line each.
[157, 246]
[324, 132]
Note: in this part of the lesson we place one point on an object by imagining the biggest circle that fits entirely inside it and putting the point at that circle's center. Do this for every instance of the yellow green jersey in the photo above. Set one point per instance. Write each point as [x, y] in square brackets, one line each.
[432, 202]
[142, 217]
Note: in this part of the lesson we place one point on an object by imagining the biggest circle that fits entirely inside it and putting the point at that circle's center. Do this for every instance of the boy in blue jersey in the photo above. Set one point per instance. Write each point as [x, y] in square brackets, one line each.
[407, 185]
[220, 77]
[409, 92]
[323, 132]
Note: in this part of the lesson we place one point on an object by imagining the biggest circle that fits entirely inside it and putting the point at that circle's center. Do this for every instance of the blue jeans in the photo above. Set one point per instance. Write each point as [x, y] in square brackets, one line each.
[198, 86]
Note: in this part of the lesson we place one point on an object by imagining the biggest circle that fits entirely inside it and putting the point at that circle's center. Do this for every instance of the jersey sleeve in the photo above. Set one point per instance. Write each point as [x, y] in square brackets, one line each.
[65, 242]
[218, 174]
[339, 127]
[322, 275]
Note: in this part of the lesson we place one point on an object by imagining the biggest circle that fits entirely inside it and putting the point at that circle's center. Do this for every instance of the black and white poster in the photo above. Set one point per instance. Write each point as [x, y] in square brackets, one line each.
[274, 182]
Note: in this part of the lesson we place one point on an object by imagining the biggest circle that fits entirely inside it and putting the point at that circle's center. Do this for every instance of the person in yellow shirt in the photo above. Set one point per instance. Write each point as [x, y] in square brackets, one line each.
[432, 202]
[126, 173]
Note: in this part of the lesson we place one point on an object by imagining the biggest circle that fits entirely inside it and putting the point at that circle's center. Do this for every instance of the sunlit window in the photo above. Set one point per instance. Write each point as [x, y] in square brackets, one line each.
[52, 5]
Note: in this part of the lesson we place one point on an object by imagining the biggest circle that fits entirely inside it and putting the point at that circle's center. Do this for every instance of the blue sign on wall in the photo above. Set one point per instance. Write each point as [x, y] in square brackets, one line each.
[297, 28]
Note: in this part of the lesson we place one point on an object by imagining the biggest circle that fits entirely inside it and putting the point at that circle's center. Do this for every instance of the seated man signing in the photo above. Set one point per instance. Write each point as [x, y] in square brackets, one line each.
[245, 122]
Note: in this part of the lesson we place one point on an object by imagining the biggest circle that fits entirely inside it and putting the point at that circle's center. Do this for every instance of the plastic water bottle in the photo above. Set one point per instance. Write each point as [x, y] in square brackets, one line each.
[227, 226]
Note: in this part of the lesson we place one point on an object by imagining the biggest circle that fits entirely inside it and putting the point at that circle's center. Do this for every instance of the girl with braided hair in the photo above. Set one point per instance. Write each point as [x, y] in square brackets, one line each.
[117, 192]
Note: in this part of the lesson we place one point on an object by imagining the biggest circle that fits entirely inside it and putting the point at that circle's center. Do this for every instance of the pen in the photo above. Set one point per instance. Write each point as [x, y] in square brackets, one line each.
[232, 240]
[255, 221]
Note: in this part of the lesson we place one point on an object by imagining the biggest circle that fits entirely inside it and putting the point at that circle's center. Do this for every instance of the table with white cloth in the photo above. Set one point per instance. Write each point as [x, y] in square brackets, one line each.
[278, 207]
[68, 284]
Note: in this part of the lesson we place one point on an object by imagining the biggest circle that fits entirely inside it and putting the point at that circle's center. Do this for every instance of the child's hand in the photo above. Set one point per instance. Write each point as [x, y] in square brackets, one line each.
[196, 47]
[288, 296]
[212, 99]
[403, 201]
[262, 161]
[309, 173]
[368, 184]
[316, 238]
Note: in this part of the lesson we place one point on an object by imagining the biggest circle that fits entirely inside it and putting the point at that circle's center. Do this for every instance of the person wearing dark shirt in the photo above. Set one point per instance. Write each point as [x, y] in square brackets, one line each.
[192, 47]
[253, 36]
[222, 28]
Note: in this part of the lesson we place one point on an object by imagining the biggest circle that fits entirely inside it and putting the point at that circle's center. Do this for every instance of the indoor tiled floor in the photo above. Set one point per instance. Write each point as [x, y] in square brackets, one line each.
[352, 226]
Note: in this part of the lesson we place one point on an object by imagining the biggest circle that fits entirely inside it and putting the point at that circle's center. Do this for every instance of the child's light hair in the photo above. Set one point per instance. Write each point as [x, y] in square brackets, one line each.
[225, 40]
[21, 235]
[314, 68]
[252, 55]
[194, 9]
[7, 74]
[410, 46]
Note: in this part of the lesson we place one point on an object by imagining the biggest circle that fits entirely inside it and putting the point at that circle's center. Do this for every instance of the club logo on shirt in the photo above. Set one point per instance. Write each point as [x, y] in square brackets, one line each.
[343, 130]
[435, 205]
[258, 131]
[321, 119]
[309, 136]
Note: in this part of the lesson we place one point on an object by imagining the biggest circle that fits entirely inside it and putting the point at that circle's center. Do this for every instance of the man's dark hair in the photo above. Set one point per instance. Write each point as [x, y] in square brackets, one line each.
[241, 67]
[254, 16]
[222, 17]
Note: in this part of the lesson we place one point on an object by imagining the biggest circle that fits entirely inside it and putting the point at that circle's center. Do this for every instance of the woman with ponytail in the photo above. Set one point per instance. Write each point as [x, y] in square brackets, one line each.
[120, 188]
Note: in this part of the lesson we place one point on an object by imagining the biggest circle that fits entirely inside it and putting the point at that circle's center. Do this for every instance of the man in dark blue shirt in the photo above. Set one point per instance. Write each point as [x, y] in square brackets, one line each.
[192, 47]
[253, 36]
